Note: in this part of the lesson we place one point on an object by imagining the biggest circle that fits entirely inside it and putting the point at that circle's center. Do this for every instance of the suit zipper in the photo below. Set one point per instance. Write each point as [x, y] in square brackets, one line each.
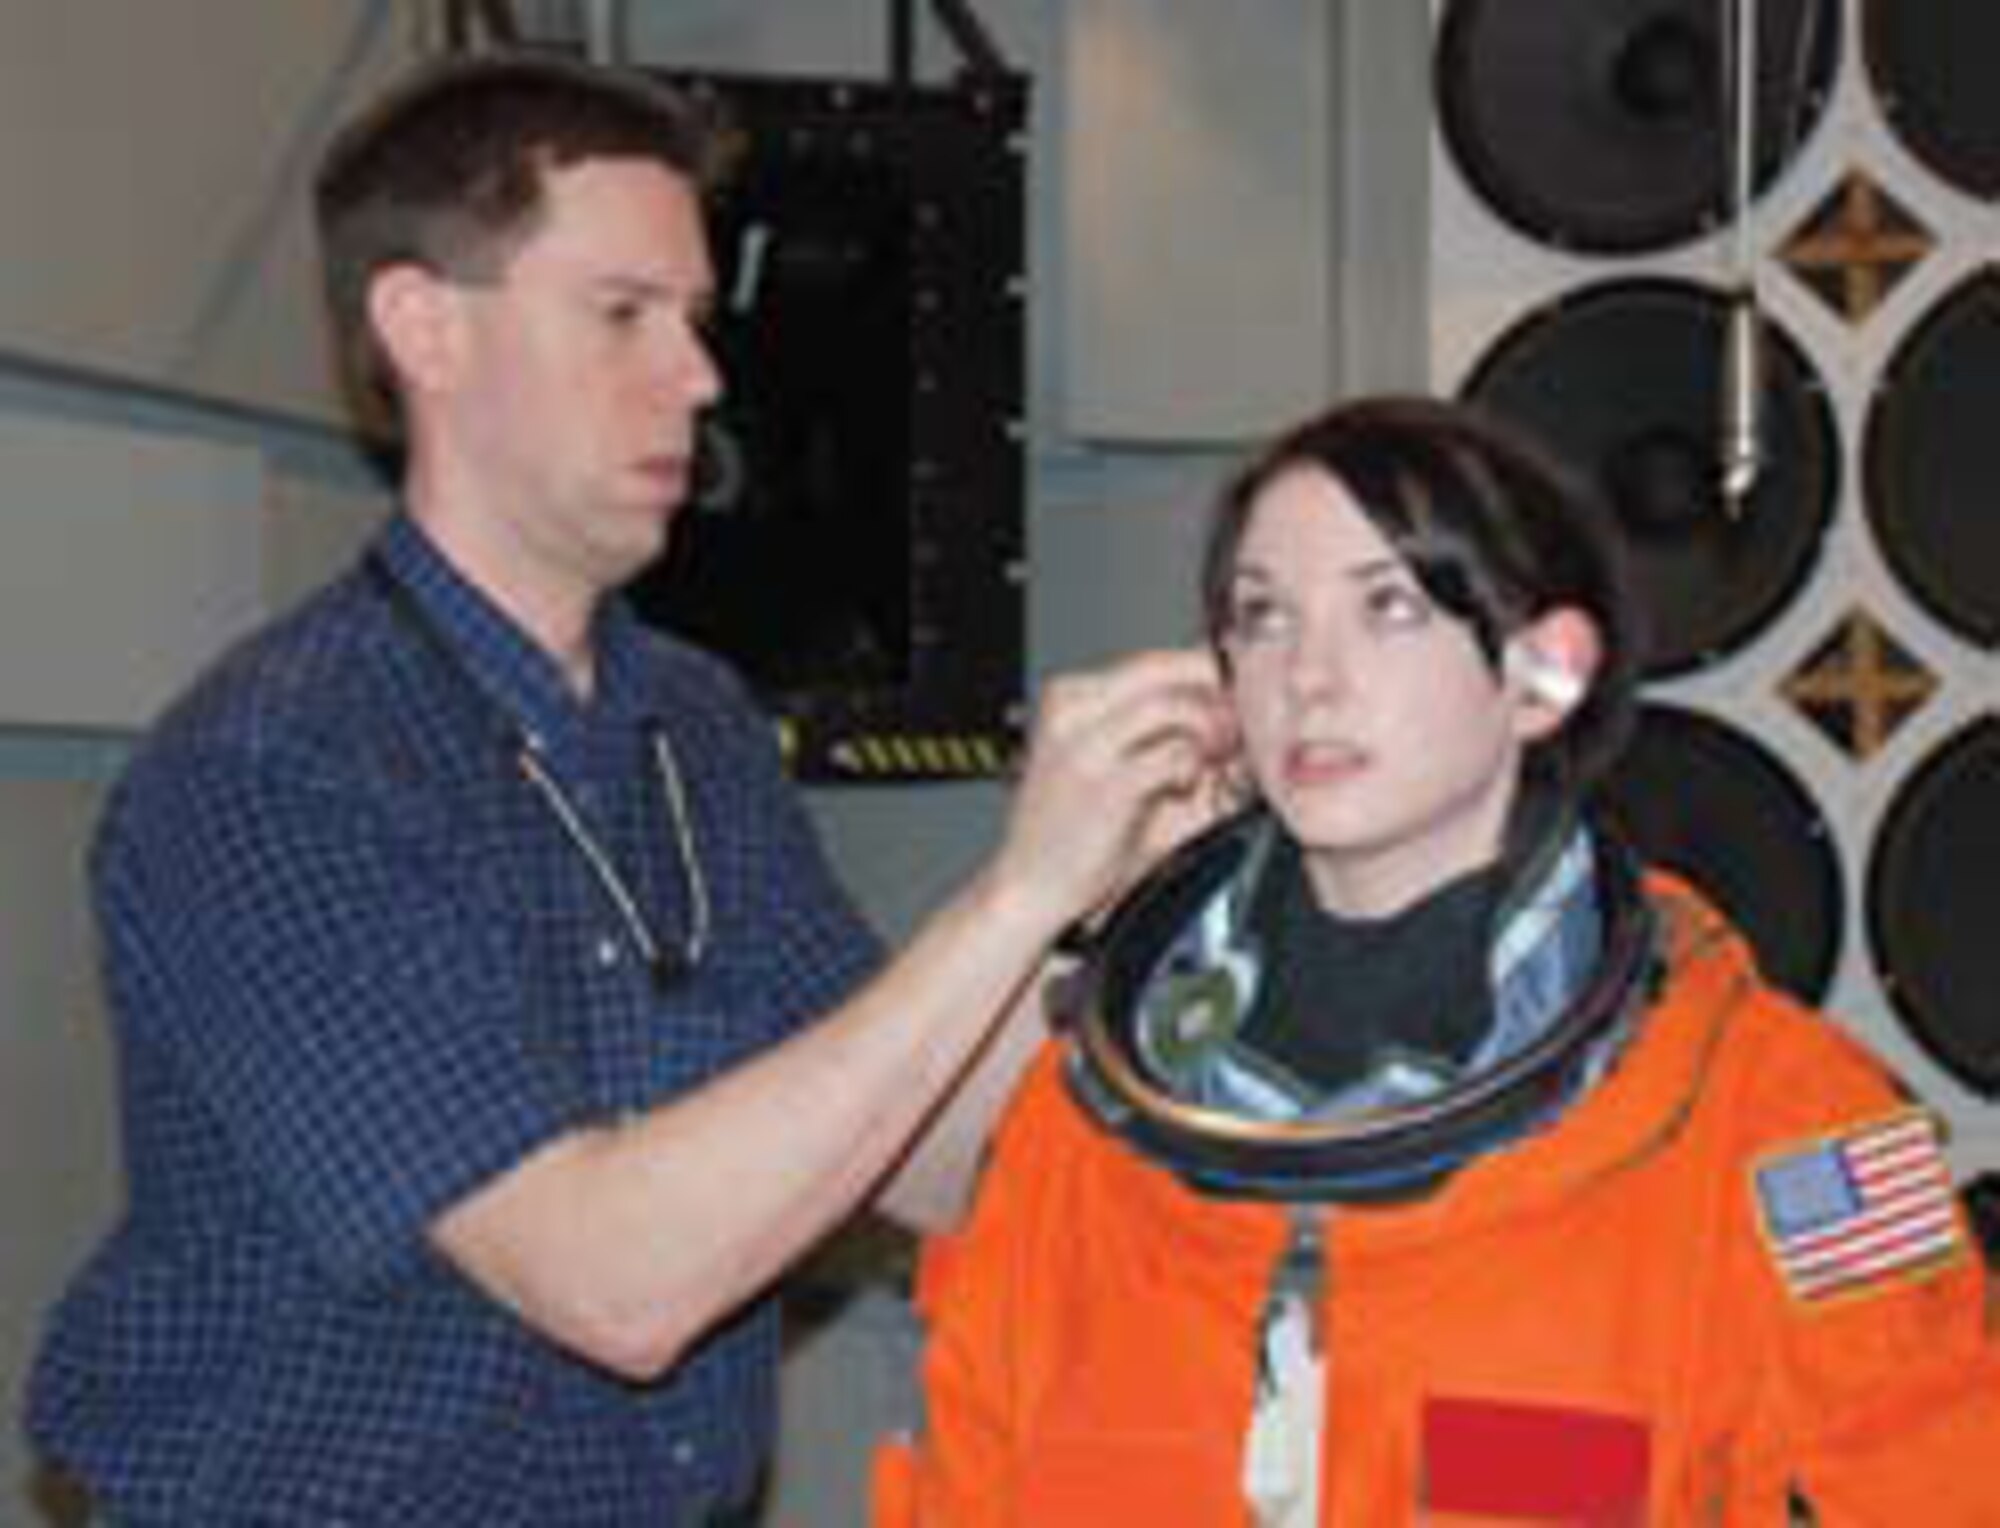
[1281, 1473]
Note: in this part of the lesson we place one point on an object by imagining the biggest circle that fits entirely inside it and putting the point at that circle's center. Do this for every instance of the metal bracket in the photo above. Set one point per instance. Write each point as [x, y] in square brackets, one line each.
[981, 56]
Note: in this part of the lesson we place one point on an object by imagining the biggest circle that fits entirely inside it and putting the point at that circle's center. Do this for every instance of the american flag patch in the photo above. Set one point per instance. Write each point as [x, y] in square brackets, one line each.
[1851, 1210]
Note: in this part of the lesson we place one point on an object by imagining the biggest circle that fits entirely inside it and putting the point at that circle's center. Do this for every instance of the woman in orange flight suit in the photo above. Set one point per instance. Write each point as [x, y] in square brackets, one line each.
[1413, 1157]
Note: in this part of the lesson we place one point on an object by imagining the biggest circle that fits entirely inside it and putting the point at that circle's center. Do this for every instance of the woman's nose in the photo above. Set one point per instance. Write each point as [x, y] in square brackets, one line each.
[1315, 667]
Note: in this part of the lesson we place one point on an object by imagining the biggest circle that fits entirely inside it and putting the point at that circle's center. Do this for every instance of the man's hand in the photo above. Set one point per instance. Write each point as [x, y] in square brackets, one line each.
[587, 1238]
[1123, 763]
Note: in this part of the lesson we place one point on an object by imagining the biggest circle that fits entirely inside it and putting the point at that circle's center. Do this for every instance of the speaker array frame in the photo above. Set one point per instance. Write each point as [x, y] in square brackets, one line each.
[1487, 277]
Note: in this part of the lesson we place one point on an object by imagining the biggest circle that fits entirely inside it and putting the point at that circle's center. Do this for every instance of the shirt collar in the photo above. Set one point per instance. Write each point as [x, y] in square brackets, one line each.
[516, 673]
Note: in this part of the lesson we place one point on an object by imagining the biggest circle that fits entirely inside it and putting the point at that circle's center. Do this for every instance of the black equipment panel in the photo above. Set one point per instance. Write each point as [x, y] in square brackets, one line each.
[855, 540]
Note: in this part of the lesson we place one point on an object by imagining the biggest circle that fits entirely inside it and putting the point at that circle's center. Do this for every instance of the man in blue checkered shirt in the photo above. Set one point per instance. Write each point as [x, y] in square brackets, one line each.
[492, 1031]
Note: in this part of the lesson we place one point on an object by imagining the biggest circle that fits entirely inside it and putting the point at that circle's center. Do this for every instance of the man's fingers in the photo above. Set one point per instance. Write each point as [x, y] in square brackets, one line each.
[1172, 698]
[1111, 751]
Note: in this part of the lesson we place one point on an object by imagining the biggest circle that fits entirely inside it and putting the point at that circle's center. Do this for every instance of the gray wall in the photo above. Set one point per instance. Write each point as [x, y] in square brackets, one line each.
[1118, 487]
[151, 161]
[58, 1173]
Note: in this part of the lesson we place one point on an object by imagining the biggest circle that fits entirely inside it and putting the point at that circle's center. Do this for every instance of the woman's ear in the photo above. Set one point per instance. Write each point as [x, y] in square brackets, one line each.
[1550, 663]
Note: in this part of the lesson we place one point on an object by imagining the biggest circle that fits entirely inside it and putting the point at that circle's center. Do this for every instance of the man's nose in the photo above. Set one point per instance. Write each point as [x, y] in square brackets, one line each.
[688, 367]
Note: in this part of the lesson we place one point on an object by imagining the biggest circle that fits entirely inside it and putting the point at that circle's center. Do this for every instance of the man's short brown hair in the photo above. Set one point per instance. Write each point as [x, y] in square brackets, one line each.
[447, 170]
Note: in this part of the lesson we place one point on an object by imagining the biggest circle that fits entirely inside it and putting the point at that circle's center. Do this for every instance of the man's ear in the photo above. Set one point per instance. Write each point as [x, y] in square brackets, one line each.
[1551, 663]
[415, 317]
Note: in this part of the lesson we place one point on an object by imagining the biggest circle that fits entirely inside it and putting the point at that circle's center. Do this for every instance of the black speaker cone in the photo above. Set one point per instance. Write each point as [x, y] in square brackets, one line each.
[1931, 62]
[1625, 380]
[1930, 900]
[1933, 457]
[1706, 800]
[1602, 125]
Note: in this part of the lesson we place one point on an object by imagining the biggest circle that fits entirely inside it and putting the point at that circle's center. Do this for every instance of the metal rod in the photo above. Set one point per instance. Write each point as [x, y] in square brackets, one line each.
[466, 20]
[1742, 402]
[605, 35]
[903, 42]
[498, 18]
[1742, 71]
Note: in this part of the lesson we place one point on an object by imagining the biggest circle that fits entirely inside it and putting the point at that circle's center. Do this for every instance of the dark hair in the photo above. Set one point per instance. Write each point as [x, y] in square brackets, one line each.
[446, 170]
[1496, 531]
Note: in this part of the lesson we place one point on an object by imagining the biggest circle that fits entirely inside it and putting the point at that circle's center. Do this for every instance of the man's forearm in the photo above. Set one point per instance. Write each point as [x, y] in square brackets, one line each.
[625, 1243]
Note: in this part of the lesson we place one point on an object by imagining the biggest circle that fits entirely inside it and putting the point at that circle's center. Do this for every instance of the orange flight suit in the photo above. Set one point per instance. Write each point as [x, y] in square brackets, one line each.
[1591, 1327]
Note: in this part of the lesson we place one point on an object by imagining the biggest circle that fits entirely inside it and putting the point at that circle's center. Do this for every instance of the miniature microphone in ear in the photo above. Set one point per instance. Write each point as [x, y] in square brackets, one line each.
[1548, 679]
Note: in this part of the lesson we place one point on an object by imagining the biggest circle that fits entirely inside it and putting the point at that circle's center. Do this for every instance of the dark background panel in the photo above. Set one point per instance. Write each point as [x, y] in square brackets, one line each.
[854, 545]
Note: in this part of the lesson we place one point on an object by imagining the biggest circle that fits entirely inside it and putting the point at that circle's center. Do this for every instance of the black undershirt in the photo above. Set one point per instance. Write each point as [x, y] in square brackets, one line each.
[1338, 993]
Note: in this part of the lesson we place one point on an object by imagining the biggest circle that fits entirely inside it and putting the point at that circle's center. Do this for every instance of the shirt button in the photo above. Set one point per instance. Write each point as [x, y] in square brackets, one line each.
[605, 951]
[683, 1454]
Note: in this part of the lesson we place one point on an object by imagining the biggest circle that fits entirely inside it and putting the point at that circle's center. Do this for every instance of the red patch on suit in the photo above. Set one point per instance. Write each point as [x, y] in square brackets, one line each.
[1541, 1464]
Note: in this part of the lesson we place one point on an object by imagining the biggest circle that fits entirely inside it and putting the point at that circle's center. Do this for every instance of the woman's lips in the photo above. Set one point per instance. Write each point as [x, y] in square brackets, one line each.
[1319, 764]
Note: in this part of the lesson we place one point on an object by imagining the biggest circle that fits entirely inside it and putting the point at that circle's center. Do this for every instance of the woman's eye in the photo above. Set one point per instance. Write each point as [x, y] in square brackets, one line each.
[1257, 620]
[1398, 605]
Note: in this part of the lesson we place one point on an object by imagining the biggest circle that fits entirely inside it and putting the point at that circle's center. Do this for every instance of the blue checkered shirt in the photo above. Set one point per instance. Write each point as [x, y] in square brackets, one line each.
[357, 969]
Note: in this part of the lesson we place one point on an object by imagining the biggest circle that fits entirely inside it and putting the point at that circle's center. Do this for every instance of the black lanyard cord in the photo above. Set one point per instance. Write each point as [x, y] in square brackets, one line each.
[665, 965]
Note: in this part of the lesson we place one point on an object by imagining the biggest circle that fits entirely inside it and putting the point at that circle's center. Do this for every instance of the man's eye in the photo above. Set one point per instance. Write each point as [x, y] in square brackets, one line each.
[623, 315]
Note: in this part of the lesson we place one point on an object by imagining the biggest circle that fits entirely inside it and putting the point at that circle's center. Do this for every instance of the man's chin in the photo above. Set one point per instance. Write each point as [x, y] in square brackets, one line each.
[633, 566]
[648, 530]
